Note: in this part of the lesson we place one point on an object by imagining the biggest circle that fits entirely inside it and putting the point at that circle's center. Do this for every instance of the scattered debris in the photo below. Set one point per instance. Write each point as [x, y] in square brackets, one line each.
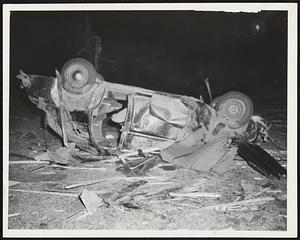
[47, 173]
[196, 195]
[79, 168]
[87, 148]
[260, 160]
[13, 183]
[159, 183]
[200, 155]
[37, 169]
[162, 194]
[14, 215]
[90, 158]
[130, 205]
[141, 154]
[28, 162]
[136, 153]
[57, 159]
[20, 156]
[45, 192]
[62, 156]
[145, 164]
[168, 167]
[238, 204]
[91, 201]
[83, 184]
[140, 166]
[128, 189]
[42, 157]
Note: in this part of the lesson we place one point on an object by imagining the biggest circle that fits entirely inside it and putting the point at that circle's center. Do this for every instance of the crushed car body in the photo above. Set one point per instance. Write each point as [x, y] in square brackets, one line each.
[83, 108]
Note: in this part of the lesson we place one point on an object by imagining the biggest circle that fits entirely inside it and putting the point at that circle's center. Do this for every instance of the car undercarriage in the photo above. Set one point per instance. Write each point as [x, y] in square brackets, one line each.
[83, 108]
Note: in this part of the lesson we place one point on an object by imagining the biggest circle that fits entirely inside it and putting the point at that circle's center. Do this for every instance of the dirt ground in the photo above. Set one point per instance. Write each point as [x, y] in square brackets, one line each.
[35, 201]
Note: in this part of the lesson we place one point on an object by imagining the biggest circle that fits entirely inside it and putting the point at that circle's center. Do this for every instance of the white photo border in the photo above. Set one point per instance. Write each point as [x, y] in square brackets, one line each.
[292, 210]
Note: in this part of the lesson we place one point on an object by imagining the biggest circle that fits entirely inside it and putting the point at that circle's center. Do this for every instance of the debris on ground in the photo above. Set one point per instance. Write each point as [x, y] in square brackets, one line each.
[45, 192]
[261, 161]
[82, 184]
[251, 204]
[130, 205]
[14, 215]
[196, 195]
[13, 183]
[193, 156]
[199, 155]
[62, 156]
[128, 189]
[42, 157]
[91, 201]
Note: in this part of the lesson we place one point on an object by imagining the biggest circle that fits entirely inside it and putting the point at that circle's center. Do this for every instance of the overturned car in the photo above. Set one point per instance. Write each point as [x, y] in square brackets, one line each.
[81, 107]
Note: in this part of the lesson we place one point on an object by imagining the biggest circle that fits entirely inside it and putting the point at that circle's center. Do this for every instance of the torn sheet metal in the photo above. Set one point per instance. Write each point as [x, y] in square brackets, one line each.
[144, 121]
[200, 154]
[170, 110]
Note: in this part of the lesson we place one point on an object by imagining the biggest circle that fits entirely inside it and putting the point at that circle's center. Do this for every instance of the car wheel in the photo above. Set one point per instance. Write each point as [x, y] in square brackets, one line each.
[235, 107]
[78, 75]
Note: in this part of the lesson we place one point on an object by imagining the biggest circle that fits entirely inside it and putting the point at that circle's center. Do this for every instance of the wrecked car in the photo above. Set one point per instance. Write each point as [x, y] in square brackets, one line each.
[82, 107]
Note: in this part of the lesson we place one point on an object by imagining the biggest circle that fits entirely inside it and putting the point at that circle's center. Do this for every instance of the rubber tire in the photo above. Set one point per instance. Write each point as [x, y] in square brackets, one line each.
[236, 107]
[74, 66]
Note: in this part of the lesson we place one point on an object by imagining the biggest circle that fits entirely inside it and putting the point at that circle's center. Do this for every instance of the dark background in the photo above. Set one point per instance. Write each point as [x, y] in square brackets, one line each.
[171, 51]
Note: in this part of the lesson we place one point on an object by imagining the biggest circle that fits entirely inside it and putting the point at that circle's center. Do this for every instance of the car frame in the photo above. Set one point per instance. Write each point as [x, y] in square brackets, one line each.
[160, 116]
[83, 108]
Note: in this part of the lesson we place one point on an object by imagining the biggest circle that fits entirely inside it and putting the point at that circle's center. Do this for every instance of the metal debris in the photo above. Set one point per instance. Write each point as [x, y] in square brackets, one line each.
[200, 155]
[14, 215]
[128, 189]
[28, 162]
[13, 183]
[196, 195]
[65, 194]
[130, 205]
[83, 184]
[91, 201]
[239, 204]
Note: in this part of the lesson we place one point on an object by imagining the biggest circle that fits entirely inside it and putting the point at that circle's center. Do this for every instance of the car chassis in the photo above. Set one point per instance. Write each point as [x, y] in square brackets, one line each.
[80, 106]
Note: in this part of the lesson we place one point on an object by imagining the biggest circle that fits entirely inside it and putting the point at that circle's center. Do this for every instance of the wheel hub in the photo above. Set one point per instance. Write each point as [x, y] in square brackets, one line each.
[78, 76]
[235, 108]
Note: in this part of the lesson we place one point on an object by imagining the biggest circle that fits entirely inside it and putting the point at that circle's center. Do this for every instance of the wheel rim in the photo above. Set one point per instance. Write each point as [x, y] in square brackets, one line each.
[78, 74]
[234, 109]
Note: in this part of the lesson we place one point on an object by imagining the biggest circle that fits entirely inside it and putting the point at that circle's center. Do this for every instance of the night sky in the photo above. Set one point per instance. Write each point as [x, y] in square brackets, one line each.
[171, 51]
